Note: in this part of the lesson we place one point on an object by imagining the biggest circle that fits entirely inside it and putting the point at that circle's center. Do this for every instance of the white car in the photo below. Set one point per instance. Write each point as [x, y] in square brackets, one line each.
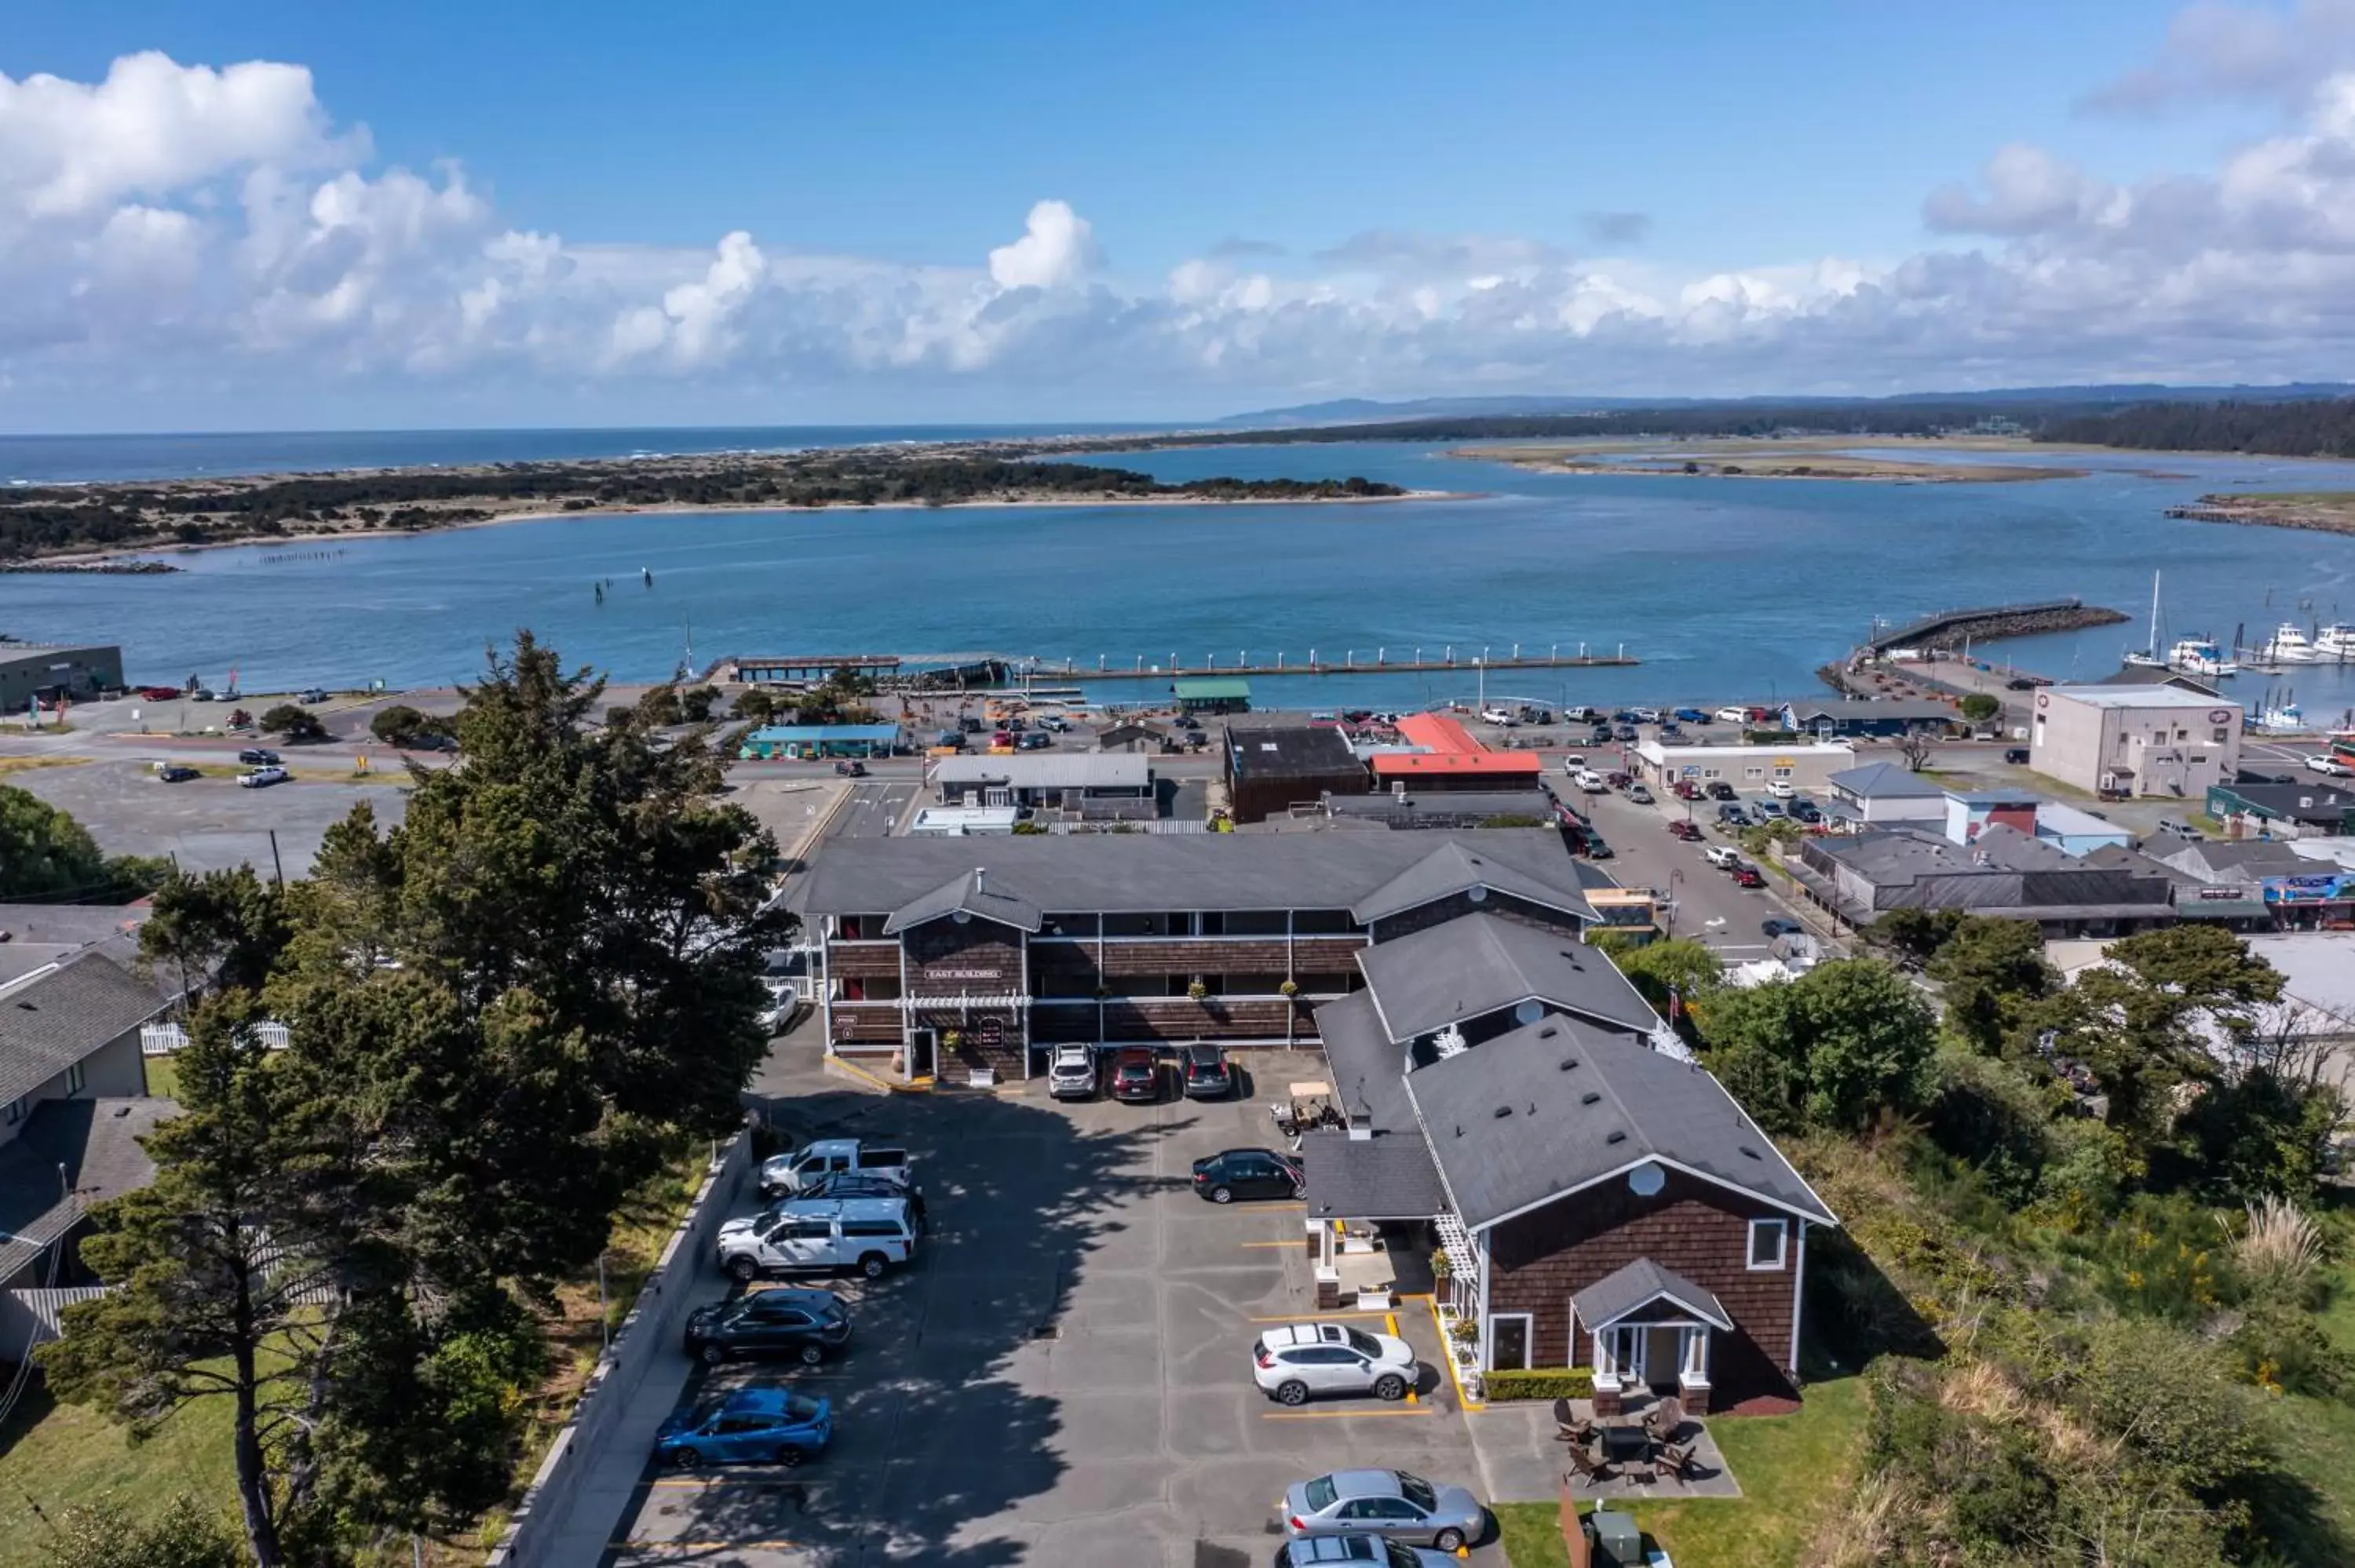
[2323, 762]
[1292, 1363]
[1723, 856]
[1646, 716]
[1072, 1073]
[1591, 782]
[1499, 717]
[261, 777]
[1733, 715]
[1573, 763]
[1782, 789]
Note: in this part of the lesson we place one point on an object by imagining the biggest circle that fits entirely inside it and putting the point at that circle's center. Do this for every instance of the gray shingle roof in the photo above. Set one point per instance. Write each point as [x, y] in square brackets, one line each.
[1511, 1126]
[1291, 751]
[970, 894]
[1050, 770]
[1387, 1177]
[1640, 1283]
[1474, 964]
[1883, 781]
[1369, 1069]
[1133, 872]
[51, 1021]
[1459, 865]
[98, 1143]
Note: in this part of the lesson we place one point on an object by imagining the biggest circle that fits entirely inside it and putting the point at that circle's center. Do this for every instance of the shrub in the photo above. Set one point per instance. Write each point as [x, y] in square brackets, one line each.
[400, 725]
[1540, 1382]
[1980, 705]
[296, 724]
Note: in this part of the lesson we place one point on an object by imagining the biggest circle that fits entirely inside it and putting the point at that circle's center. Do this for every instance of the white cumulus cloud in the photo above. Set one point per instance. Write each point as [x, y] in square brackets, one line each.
[1058, 247]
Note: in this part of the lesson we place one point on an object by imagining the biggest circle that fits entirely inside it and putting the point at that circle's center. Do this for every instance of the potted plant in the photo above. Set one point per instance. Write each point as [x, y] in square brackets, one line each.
[1197, 990]
[1442, 1268]
[1290, 987]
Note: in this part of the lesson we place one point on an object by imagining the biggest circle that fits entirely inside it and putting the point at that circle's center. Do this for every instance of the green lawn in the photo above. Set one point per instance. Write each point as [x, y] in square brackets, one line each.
[1790, 1468]
[55, 1456]
[2324, 1453]
[162, 1076]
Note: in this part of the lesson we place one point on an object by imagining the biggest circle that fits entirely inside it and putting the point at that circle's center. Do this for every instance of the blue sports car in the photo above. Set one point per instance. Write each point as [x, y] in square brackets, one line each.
[752, 1426]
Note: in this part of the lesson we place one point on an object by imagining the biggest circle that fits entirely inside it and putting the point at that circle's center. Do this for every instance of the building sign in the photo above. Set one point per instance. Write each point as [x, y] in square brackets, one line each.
[990, 1030]
[2224, 893]
[2307, 889]
[2219, 715]
[965, 974]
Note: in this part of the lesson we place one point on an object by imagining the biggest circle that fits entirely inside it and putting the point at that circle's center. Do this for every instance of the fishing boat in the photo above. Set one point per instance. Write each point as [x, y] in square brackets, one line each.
[2200, 656]
[2147, 656]
[2289, 645]
[2284, 715]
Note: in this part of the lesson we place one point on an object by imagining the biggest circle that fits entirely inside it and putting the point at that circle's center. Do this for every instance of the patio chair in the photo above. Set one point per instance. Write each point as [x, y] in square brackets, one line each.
[1585, 1467]
[1569, 1426]
[1666, 1419]
[1677, 1460]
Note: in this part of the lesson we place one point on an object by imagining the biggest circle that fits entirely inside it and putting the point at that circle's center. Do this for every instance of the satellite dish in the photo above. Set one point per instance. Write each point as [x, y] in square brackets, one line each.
[1647, 1180]
[961, 917]
[1528, 1011]
[1479, 895]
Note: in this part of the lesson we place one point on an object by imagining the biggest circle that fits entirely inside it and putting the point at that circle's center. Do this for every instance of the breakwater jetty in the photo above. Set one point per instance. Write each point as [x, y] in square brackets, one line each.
[1953, 627]
[936, 670]
[2321, 512]
[90, 568]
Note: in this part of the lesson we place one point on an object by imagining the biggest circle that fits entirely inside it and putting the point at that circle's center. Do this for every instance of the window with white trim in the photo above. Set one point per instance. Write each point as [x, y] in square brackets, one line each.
[1509, 1341]
[74, 1079]
[1767, 1240]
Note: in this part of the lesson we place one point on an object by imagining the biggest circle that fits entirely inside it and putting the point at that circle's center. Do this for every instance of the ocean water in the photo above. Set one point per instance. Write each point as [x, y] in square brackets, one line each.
[1725, 588]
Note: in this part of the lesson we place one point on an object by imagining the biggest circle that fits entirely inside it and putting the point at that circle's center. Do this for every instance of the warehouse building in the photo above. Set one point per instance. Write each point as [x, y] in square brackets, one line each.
[2121, 741]
[1270, 771]
[49, 670]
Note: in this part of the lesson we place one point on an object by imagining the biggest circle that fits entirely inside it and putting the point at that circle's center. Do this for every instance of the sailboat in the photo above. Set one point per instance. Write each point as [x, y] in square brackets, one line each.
[2147, 656]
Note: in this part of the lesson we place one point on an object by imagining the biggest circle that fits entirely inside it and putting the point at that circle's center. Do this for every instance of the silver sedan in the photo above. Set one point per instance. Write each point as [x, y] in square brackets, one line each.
[1393, 1503]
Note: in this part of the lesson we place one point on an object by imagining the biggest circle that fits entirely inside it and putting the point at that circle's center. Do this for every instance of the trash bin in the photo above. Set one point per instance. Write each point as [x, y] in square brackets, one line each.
[1617, 1543]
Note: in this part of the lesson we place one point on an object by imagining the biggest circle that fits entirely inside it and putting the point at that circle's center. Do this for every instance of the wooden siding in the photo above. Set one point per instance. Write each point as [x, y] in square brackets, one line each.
[1696, 1228]
[865, 1023]
[979, 957]
[862, 961]
[1502, 905]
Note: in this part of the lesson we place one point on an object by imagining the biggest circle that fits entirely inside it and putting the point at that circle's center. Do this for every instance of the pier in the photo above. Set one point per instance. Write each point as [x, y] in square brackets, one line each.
[1951, 628]
[937, 670]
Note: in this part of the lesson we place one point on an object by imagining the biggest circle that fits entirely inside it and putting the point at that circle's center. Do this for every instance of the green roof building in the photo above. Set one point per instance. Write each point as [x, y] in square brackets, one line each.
[1214, 695]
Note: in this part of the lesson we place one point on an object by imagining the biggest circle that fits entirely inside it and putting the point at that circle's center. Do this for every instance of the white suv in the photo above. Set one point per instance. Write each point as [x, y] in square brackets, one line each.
[1296, 1360]
[869, 1234]
[1072, 1073]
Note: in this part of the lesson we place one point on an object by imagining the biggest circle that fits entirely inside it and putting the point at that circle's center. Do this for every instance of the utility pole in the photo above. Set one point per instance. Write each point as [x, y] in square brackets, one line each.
[276, 864]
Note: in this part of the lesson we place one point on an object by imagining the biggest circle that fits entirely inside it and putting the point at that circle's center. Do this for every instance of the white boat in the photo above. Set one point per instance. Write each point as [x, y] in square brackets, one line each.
[2200, 656]
[2335, 642]
[2147, 656]
[2289, 646]
[2284, 716]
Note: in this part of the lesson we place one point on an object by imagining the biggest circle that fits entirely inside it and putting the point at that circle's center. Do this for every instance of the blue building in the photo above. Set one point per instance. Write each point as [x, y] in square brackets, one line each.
[812, 740]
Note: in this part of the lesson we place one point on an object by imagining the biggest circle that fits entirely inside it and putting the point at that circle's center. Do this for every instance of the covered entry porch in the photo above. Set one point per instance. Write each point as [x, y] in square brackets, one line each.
[1649, 1330]
[1370, 1198]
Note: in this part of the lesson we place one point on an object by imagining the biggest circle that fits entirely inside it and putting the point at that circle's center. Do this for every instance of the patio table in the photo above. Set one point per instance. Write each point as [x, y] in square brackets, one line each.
[1625, 1441]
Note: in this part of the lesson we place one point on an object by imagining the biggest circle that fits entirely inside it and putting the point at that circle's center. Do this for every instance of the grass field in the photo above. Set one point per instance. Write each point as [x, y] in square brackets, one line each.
[1790, 1468]
[56, 1457]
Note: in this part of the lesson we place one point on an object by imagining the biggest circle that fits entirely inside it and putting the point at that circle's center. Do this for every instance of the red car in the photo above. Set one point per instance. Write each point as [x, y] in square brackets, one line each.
[1684, 790]
[1136, 1076]
[159, 693]
[1687, 831]
[1747, 876]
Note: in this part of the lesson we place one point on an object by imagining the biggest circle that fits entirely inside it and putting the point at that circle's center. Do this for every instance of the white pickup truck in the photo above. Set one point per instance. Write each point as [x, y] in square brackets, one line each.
[801, 1168]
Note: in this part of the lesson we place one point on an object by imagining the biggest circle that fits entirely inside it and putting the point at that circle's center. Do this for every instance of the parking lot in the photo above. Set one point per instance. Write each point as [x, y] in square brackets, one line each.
[1062, 1376]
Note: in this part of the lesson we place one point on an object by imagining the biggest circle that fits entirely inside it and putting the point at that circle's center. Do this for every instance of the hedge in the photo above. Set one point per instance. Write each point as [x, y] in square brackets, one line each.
[1540, 1383]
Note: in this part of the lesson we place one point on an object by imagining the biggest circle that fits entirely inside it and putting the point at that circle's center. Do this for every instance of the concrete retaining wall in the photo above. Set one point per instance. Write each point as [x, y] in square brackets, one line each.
[653, 1322]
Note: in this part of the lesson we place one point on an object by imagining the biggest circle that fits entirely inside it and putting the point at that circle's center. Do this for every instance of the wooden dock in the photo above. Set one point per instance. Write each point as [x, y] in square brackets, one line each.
[979, 670]
[1375, 665]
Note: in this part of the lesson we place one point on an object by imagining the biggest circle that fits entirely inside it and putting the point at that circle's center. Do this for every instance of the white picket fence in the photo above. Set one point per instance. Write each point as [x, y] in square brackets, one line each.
[163, 1039]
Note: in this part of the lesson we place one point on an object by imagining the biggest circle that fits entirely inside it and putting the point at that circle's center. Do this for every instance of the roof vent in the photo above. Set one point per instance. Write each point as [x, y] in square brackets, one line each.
[1618, 1135]
[1548, 1032]
[1750, 1151]
[1568, 1063]
[1589, 1098]
[1501, 1112]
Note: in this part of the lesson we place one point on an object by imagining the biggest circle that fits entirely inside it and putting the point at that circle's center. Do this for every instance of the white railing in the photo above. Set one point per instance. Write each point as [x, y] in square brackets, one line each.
[163, 1039]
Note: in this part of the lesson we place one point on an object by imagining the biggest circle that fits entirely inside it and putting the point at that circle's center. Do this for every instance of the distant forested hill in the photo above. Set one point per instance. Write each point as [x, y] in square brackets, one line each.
[2272, 430]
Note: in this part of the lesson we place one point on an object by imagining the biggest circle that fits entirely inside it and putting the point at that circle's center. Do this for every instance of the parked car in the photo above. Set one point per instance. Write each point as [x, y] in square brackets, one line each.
[1001, 739]
[2017, 756]
[262, 778]
[869, 1234]
[1292, 1363]
[1136, 1076]
[801, 1168]
[258, 756]
[752, 1426]
[1733, 715]
[805, 1326]
[1626, 731]
[1671, 730]
[1684, 790]
[315, 695]
[857, 1184]
[177, 773]
[1644, 716]
[1393, 1503]
[2180, 830]
[1689, 715]
[202, 695]
[1719, 789]
[1055, 722]
[1748, 876]
[1187, 721]
[1768, 809]
[1807, 811]
[2019, 684]
[1246, 1173]
[1071, 1075]
[1499, 717]
[1685, 830]
[1600, 735]
[2323, 762]
[1725, 857]
[1618, 779]
[1781, 789]
[159, 693]
[1036, 740]
[1203, 1073]
[1639, 794]
[1731, 815]
[1315, 1550]
[1572, 763]
[1776, 925]
[1589, 780]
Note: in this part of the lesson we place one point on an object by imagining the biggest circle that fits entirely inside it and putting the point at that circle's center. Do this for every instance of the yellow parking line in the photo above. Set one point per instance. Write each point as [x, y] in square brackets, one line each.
[1307, 1316]
[1462, 1399]
[1337, 1414]
[1268, 1244]
[1391, 1319]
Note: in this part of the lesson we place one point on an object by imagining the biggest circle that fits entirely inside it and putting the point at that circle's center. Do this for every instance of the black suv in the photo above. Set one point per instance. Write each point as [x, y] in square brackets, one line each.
[1719, 789]
[258, 756]
[1246, 1173]
[805, 1326]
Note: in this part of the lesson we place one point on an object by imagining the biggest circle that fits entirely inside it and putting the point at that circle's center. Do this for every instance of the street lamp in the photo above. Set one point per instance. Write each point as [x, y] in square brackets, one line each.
[1481, 666]
[1675, 878]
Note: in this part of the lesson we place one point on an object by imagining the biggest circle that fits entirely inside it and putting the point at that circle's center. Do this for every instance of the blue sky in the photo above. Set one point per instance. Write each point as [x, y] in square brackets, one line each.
[1689, 199]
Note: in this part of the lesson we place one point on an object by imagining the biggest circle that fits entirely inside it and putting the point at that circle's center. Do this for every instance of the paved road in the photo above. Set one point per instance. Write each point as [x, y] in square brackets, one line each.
[1710, 908]
[872, 811]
